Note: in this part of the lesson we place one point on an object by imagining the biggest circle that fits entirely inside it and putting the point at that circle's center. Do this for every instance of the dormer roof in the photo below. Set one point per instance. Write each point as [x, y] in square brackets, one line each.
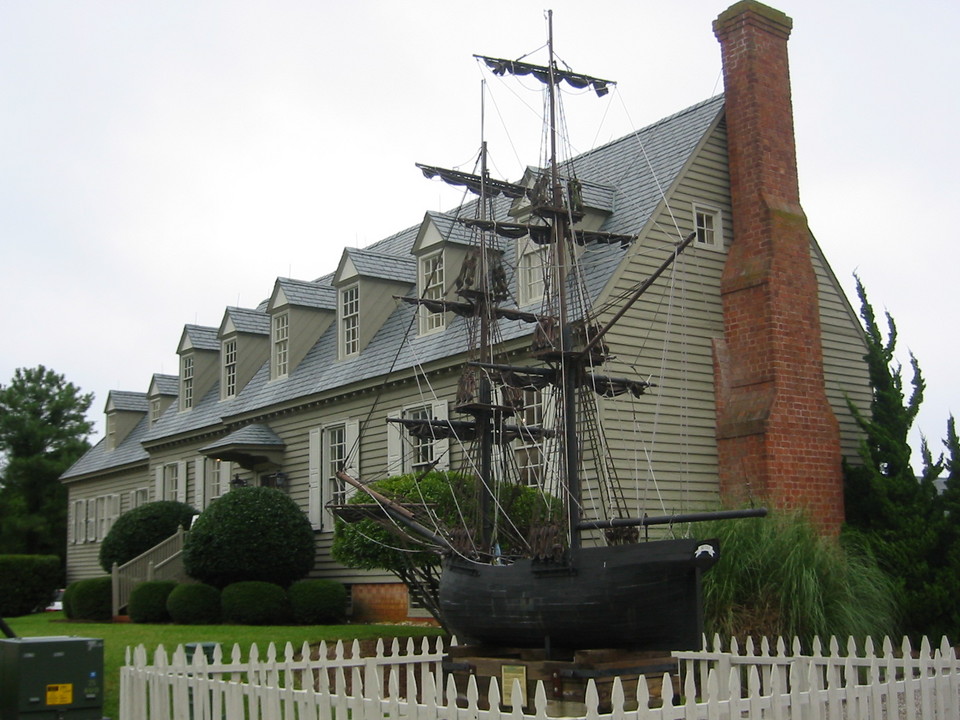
[164, 385]
[301, 293]
[125, 401]
[438, 228]
[199, 337]
[244, 320]
[371, 264]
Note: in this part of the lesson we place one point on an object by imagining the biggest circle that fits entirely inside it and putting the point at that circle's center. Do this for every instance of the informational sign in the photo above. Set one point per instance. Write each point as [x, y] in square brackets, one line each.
[508, 675]
[61, 694]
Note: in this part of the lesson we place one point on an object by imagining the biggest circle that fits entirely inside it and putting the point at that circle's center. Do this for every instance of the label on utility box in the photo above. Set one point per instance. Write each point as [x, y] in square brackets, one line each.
[60, 694]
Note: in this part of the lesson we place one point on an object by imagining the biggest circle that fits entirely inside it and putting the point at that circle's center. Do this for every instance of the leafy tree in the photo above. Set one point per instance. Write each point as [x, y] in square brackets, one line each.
[374, 544]
[43, 430]
[898, 515]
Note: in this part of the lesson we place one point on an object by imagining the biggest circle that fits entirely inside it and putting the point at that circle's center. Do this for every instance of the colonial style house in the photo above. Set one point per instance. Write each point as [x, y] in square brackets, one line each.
[750, 397]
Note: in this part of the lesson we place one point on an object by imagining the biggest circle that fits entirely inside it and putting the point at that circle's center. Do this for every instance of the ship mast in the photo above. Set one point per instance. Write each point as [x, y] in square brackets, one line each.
[568, 369]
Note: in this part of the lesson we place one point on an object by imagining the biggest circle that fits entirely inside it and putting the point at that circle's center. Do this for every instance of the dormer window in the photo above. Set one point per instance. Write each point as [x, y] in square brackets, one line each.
[431, 288]
[229, 375]
[350, 320]
[156, 408]
[531, 271]
[281, 344]
[186, 382]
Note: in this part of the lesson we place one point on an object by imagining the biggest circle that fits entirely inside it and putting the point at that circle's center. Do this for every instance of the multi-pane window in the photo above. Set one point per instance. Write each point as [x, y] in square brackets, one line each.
[528, 450]
[707, 226]
[531, 271]
[431, 288]
[281, 344]
[154, 410]
[421, 452]
[350, 320]
[171, 481]
[229, 355]
[215, 484]
[335, 455]
[140, 496]
[186, 381]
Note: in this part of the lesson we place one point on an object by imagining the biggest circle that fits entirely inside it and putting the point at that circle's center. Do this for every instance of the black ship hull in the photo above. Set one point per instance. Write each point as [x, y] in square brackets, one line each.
[645, 596]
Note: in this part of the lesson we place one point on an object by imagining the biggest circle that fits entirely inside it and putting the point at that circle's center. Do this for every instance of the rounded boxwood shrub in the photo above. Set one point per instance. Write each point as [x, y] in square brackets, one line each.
[137, 531]
[251, 533]
[148, 601]
[194, 604]
[92, 599]
[255, 602]
[318, 602]
[28, 582]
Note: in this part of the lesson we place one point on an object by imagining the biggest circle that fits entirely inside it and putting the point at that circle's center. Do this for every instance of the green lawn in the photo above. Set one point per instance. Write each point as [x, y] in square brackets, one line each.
[118, 636]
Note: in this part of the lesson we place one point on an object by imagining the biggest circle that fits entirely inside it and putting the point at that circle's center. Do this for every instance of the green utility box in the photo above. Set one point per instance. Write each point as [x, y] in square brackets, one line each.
[55, 678]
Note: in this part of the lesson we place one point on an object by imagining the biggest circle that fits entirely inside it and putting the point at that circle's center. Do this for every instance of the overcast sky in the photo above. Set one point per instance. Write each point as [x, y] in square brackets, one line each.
[160, 161]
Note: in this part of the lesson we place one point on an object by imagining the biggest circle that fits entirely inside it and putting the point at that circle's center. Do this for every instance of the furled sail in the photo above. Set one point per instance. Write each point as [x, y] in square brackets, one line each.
[500, 66]
[477, 184]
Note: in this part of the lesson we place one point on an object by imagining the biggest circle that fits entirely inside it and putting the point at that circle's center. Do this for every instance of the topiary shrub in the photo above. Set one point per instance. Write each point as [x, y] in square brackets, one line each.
[194, 604]
[254, 602]
[93, 599]
[251, 533]
[318, 602]
[137, 531]
[28, 582]
[148, 601]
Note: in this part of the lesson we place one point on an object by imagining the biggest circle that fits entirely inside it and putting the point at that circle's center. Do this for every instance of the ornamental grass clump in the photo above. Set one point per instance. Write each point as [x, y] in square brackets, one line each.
[778, 577]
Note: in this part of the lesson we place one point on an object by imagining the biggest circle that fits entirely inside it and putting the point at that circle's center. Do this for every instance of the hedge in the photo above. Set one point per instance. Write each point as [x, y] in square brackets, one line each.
[29, 583]
[194, 604]
[255, 602]
[148, 601]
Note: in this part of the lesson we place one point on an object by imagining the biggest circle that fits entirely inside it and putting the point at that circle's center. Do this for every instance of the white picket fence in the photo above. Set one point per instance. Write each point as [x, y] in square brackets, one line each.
[407, 684]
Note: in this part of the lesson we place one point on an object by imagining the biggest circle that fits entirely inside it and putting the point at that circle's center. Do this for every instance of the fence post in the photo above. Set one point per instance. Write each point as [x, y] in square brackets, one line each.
[115, 589]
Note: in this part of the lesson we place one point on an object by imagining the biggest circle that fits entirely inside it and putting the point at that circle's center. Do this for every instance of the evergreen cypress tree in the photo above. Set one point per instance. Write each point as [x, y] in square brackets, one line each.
[899, 515]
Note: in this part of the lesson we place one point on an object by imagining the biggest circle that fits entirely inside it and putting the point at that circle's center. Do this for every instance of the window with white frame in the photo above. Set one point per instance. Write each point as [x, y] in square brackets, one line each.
[186, 382]
[171, 482]
[528, 449]
[708, 226]
[281, 344]
[421, 450]
[138, 497]
[349, 320]
[332, 447]
[334, 458]
[154, 410]
[431, 288]
[229, 380]
[79, 521]
[531, 271]
[217, 485]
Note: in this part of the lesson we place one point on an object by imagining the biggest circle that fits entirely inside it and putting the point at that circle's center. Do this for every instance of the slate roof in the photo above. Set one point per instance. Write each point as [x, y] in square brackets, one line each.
[255, 434]
[637, 166]
[245, 320]
[309, 294]
[98, 459]
[166, 384]
[203, 337]
[126, 401]
[386, 266]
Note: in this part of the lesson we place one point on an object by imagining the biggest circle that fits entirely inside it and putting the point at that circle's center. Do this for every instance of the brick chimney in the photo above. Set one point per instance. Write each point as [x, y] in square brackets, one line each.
[778, 439]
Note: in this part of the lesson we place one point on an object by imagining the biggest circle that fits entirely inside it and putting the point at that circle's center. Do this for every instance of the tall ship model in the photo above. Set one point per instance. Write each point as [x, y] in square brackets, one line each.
[577, 569]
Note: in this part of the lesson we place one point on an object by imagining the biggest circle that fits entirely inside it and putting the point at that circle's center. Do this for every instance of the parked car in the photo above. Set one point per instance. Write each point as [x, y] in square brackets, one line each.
[56, 603]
